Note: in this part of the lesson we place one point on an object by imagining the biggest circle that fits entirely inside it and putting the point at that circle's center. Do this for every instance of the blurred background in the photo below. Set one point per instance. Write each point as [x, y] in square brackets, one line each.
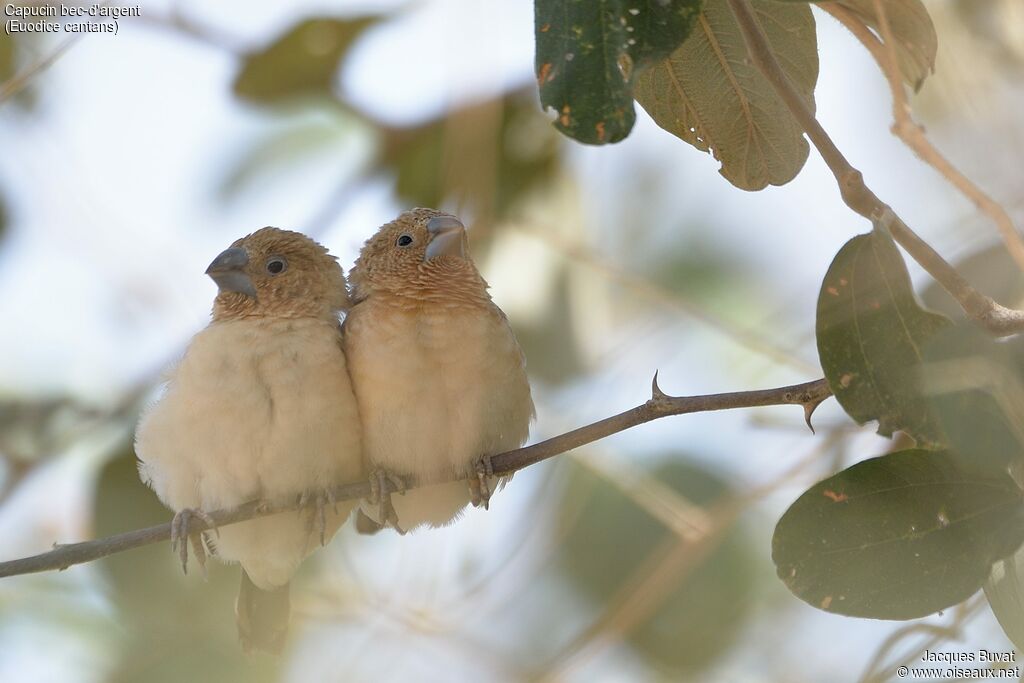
[135, 158]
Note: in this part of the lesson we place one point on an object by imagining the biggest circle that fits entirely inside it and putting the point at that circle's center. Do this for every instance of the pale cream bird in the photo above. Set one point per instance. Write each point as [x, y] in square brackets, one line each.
[260, 407]
[440, 379]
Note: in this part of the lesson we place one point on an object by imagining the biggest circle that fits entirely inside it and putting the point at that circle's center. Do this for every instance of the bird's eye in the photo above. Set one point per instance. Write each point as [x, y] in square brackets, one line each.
[276, 265]
[404, 240]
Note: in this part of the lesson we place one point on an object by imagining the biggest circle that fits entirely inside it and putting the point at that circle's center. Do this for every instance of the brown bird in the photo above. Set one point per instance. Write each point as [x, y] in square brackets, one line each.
[440, 379]
[260, 407]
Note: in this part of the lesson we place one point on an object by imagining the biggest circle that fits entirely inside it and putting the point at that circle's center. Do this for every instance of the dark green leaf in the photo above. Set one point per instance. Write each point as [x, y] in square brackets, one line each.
[708, 93]
[897, 537]
[974, 387]
[610, 542]
[587, 52]
[871, 332]
[912, 29]
[301, 62]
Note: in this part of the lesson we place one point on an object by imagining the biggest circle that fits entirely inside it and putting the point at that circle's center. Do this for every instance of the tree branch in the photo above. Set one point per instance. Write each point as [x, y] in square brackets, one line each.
[994, 317]
[809, 395]
[912, 133]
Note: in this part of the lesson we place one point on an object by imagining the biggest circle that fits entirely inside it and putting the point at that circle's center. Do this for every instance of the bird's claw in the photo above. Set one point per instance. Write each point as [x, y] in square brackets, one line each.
[381, 496]
[181, 534]
[480, 487]
[318, 501]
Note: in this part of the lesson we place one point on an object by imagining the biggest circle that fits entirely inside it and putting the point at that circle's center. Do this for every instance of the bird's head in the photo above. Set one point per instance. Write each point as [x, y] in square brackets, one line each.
[422, 254]
[277, 273]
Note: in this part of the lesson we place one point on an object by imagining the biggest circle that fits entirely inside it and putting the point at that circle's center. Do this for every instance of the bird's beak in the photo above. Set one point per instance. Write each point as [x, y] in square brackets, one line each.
[228, 271]
[447, 237]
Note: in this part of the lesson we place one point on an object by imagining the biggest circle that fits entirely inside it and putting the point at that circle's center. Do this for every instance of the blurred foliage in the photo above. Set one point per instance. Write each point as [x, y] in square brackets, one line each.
[977, 396]
[174, 628]
[33, 428]
[486, 156]
[13, 48]
[431, 164]
[1004, 590]
[549, 343]
[8, 62]
[696, 268]
[992, 271]
[999, 24]
[914, 515]
[610, 537]
[285, 148]
[301, 62]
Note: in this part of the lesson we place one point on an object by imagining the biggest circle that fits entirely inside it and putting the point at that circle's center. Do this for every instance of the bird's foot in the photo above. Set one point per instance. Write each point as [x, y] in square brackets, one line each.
[480, 488]
[318, 501]
[181, 534]
[380, 495]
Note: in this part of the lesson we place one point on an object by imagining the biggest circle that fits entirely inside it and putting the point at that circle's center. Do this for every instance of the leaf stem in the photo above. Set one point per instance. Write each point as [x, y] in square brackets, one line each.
[912, 133]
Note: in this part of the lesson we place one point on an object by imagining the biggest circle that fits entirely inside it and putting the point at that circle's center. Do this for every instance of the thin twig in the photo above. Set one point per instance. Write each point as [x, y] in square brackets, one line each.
[19, 81]
[912, 133]
[994, 317]
[809, 395]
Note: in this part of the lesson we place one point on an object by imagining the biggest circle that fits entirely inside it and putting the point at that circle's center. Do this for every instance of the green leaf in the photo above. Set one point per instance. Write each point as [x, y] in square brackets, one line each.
[1004, 590]
[975, 389]
[301, 62]
[912, 28]
[586, 55]
[610, 543]
[871, 332]
[709, 94]
[913, 31]
[897, 537]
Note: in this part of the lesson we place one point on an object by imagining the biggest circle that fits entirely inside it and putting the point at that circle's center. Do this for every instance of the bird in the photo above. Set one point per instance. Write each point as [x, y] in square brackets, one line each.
[260, 407]
[439, 376]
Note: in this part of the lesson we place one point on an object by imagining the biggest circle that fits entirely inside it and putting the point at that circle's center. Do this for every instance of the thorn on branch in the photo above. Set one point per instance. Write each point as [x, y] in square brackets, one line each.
[810, 406]
[657, 395]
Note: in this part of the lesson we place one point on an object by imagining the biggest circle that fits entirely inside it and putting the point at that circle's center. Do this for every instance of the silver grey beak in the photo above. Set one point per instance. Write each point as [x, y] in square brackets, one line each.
[227, 270]
[447, 237]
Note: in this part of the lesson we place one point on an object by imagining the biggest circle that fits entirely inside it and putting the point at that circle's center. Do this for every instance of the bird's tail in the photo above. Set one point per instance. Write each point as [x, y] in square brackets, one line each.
[262, 616]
